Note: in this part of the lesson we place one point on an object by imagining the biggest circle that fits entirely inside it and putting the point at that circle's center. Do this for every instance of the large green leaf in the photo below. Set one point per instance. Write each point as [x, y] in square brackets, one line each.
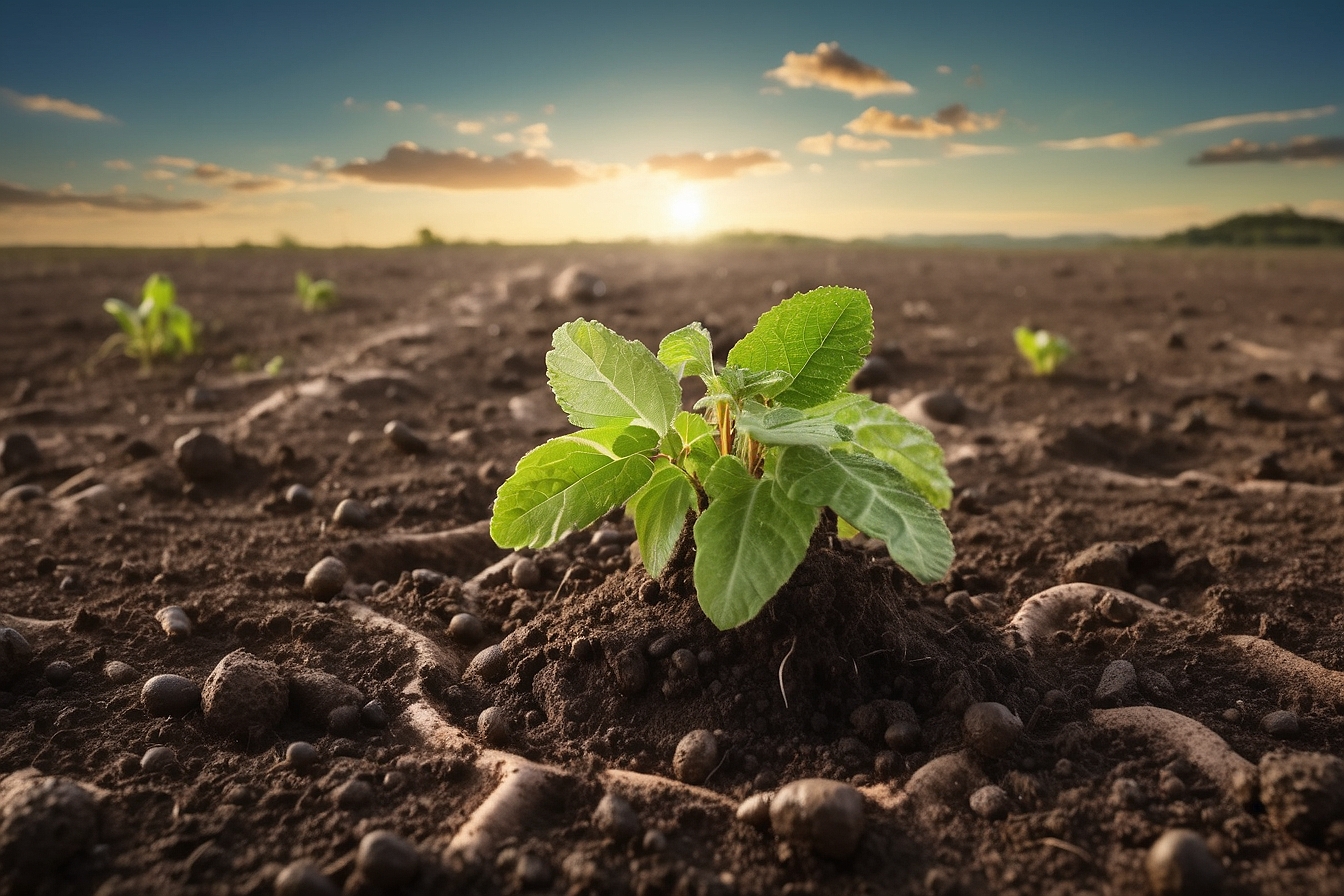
[688, 351]
[747, 543]
[569, 482]
[159, 291]
[660, 509]
[602, 379]
[908, 447]
[819, 337]
[789, 426]
[876, 499]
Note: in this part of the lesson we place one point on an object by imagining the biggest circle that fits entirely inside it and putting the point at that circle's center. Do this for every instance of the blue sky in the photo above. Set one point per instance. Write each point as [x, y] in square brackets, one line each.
[188, 124]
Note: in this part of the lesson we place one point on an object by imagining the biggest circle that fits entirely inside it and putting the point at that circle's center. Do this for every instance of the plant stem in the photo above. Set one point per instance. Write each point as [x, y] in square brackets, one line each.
[724, 418]
[755, 457]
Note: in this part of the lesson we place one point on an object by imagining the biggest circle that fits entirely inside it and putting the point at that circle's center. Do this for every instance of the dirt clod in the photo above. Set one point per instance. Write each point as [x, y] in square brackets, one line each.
[1303, 793]
[616, 818]
[826, 816]
[697, 754]
[991, 728]
[244, 694]
[202, 457]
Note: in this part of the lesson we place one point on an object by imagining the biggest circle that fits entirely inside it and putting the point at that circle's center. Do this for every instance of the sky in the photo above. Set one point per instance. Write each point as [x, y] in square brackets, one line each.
[336, 123]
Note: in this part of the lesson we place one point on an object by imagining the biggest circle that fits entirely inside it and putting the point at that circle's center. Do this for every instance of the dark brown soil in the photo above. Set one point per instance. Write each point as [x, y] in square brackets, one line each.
[1228, 363]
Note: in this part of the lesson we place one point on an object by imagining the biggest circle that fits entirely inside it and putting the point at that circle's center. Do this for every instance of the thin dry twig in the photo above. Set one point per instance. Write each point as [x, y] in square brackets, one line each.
[792, 645]
[1068, 847]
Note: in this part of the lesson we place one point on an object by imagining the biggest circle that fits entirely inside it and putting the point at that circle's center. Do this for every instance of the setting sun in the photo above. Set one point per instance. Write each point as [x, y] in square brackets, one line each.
[686, 208]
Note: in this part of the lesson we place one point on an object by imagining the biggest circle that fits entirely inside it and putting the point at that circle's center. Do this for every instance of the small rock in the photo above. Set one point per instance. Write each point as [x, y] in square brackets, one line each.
[876, 371]
[940, 406]
[826, 816]
[1303, 793]
[386, 861]
[1180, 864]
[299, 497]
[696, 756]
[1118, 684]
[490, 665]
[58, 673]
[685, 663]
[374, 714]
[577, 284]
[46, 565]
[991, 803]
[959, 603]
[343, 721]
[301, 755]
[158, 759]
[1105, 563]
[353, 513]
[175, 622]
[616, 818]
[304, 879]
[354, 794]
[1155, 686]
[119, 673]
[18, 452]
[1281, 724]
[903, 736]
[755, 810]
[466, 628]
[326, 579]
[202, 457]
[493, 726]
[404, 438]
[170, 695]
[948, 780]
[44, 823]
[991, 729]
[314, 694]
[632, 672]
[525, 573]
[244, 694]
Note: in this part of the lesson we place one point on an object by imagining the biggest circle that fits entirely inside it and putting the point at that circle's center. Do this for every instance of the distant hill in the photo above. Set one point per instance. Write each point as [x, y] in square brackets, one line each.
[1281, 228]
[1002, 240]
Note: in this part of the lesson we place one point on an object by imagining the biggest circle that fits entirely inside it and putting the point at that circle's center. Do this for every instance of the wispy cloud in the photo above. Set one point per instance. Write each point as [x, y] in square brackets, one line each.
[818, 144]
[718, 166]
[878, 164]
[238, 181]
[174, 162]
[831, 67]
[392, 106]
[505, 137]
[160, 174]
[535, 136]
[43, 103]
[944, 69]
[1325, 150]
[859, 144]
[118, 165]
[470, 127]
[970, 150]
[1122, 140]
[1236, 121]
[462, 169]
[954, 119]
[14, 196]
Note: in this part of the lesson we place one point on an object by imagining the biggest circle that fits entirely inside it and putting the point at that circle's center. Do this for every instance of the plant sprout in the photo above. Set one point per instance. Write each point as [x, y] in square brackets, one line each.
[314, 295]
[1044, 350]
[157, 328]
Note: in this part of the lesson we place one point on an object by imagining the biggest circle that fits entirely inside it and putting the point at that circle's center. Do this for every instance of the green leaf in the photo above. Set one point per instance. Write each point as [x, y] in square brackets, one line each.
[819, 337]
[660, 509]
[601, 379]
[910, 448]
[182, 328]
[688, 351]
[697, 451]
[126, 316]
[748, 542]
[159, 291]
[875, 499]
[301, 283]
[1044, 350]
[788, 426]
[569, 482]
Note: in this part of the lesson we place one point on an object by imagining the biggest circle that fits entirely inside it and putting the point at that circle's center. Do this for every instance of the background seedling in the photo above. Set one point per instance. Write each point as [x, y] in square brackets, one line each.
[1044, 350]
[157, 328]
[779, 439]
[314, 295]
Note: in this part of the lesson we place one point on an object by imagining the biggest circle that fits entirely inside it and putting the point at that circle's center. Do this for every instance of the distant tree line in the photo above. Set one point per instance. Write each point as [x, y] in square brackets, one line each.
[1280, 228]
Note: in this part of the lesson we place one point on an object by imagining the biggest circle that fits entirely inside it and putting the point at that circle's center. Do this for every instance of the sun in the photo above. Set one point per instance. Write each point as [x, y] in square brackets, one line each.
[686, 208]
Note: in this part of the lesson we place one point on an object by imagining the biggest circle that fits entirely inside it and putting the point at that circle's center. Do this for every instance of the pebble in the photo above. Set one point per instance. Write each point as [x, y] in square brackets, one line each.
[1303, 793]
[1281, 724]
[1105, 563]
[490, 665]
[493, 726]
[427, 581]
[301, 755]
[1156, 686]
[46, 565]
[170, 695]
[939, 406]
[1180, 864]
[824, 815]
[632, 672]
[158, 759]
[244, 694]
[118, 672]
[577, 284]
[755, 810]
[343, 720]
[202, 457]
[685, 663]
[175, 622]
[326, 579]
[876, 371]
[1118, 684]
[374, 714]
[404, 438]
[44, 823]
[304, 879]
[58, 673]
[696, 756]
[525, 573]
[991, 803]
[949, 780]
[314, 695]
[300, 497]
[616, 818]
[15, 655]
[466, 628]
[386, 861]
[353, 513]
[355, 794]
[903, 736]
[19, 451]
[991, 729]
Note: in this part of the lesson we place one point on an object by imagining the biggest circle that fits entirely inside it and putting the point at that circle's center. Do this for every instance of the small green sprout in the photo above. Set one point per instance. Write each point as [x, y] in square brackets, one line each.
[158, 328]
[779, 439]
[1044, 350]
[314, 295]
[274, 366]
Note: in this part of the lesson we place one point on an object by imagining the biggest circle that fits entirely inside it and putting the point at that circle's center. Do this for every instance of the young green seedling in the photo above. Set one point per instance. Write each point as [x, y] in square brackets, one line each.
[1044, 350]
[779, 439]
[158, 328]
[314, 295]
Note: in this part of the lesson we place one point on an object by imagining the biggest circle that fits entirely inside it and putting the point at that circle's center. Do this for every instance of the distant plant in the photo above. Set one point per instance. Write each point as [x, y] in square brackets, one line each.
[427, 238]
[779, 440]
[1044, 350]
[287, 241]
[314, 295]
[274, 366]
[157, 328]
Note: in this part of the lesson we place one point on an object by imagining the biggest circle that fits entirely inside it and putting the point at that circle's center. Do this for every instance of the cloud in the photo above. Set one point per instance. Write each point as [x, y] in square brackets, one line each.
[505, 137]
[871, 164]
[1122, 140]
[321, 163]
[944, 69]
[392, 106]
[858, 144]
[43, 103]
[160, 174]
[1333, 208]
[818, 145]
[238, 181]
[970, 150]
[1236, 121]
[462, 169]
[954, 119]
[118, 165]
[830, 67]
[174, 162]
[717, 166]
[1327, 150]
[535, 136]
[470, 127]
[14, 196]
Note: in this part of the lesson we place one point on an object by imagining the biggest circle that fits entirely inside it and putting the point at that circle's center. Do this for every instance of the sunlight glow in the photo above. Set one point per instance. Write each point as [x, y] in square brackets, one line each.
[686, 208]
